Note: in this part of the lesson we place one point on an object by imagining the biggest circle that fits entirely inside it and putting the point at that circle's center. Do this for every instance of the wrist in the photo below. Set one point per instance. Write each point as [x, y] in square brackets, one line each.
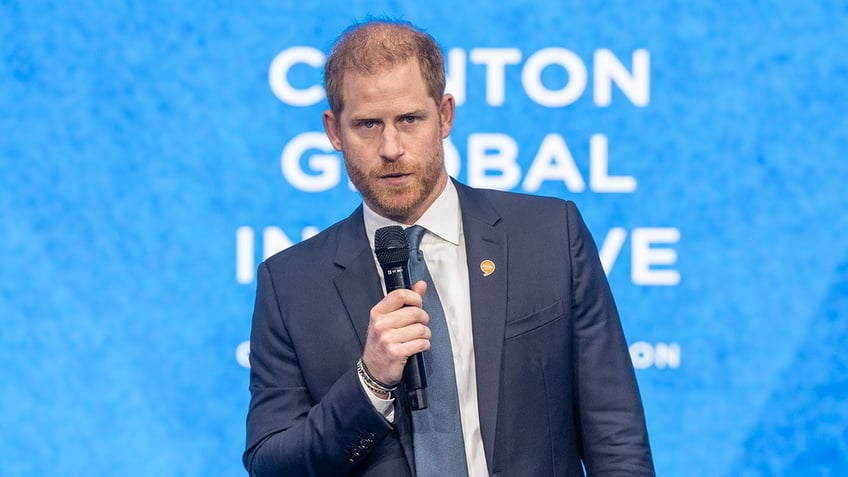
[379, 388]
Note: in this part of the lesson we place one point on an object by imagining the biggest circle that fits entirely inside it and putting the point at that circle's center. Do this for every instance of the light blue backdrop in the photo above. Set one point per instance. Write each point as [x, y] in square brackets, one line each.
[141, 148]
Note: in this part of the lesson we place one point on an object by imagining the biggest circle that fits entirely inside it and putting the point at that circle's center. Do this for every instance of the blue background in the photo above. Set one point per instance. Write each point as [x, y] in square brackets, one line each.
[136, 138]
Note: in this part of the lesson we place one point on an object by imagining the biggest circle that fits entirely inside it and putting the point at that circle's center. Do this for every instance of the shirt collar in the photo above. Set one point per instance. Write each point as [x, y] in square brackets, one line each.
[441, 219]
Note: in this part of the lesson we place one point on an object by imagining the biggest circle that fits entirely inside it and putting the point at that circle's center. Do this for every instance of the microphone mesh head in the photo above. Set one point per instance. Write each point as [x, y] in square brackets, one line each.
[390, 245]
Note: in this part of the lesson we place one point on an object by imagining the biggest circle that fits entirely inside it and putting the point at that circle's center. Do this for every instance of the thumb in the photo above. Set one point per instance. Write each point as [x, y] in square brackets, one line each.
[420, 287]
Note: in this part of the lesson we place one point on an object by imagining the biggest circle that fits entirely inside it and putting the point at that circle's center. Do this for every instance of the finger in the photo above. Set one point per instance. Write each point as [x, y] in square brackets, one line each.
[410, 332]
[398, 319]
[397, 300]
[408, 348]
[420, 287]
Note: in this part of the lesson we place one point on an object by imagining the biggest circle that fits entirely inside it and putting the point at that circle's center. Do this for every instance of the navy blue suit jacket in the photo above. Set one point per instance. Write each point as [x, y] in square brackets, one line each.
[556, 387]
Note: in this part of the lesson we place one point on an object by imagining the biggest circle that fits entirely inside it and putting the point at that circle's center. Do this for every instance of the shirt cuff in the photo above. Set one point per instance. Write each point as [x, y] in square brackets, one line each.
[384, 406]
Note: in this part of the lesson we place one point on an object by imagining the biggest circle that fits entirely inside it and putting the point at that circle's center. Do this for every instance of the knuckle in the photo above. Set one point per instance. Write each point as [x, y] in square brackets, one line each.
[380, 326]
[395, 351]
[385, 339]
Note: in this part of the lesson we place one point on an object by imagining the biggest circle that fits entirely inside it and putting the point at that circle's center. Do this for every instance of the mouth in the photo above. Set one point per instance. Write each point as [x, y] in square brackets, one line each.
[396, 178]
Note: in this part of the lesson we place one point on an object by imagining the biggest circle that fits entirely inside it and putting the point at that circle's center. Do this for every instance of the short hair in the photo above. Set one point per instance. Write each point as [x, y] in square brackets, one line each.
[378, 45]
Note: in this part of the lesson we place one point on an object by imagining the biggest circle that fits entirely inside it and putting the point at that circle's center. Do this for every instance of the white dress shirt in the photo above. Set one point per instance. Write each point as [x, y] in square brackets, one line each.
[444, 250]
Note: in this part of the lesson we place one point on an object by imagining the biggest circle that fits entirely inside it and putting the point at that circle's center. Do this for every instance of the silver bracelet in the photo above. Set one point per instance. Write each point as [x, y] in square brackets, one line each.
[371, 383]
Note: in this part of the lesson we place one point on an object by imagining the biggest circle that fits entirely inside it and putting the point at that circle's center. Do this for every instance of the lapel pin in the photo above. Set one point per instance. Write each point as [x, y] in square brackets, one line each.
[488, 267]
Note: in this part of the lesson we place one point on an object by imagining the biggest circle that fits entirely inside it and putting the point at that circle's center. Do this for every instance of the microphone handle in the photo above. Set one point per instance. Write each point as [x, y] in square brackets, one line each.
[415, 380]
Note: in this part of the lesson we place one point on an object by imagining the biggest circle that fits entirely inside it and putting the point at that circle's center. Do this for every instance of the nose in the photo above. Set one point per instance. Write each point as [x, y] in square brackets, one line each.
[391, 145]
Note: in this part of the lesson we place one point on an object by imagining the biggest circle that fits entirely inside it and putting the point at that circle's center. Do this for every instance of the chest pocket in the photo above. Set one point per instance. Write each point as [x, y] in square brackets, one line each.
[533, 321]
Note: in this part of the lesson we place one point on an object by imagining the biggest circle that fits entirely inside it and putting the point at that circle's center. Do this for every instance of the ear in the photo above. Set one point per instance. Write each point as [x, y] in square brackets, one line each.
[446, 112]
[331, 127]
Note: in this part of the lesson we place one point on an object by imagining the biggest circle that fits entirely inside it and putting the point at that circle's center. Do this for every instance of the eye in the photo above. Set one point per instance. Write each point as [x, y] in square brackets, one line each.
[409, 119]
[369, 123]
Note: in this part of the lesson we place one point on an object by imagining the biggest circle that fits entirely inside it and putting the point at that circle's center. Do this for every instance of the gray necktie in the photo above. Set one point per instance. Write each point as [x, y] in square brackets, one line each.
[437, 430]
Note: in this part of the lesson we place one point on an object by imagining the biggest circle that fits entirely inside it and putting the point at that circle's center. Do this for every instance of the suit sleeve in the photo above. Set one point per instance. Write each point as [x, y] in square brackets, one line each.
[288, 433]
[611, 418]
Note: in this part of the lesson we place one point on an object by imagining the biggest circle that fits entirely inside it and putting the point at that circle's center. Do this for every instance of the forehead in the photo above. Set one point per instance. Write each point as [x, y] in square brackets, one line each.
[400, 86]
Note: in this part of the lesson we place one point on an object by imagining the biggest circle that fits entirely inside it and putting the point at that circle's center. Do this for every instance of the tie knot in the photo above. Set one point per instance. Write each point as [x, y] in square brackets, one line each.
[413, 235]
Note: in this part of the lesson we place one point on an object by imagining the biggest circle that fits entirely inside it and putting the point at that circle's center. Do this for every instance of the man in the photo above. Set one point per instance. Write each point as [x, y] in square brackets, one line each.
[541, 376]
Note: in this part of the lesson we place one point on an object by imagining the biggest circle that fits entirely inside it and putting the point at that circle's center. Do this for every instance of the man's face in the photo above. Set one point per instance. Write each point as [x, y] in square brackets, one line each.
[390, 133]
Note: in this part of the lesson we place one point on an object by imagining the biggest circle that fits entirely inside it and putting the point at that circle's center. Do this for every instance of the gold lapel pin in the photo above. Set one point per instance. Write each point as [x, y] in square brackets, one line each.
[488, 267]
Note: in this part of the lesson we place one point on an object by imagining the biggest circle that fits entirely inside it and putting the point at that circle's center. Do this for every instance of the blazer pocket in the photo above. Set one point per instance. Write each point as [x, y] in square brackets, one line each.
[532, 321]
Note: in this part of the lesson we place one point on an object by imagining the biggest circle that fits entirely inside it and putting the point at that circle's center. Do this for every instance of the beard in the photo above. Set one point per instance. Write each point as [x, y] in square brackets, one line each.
[404, 203]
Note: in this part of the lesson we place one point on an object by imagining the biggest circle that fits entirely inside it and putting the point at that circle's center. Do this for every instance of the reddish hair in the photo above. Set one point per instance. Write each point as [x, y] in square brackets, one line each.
[379, 45]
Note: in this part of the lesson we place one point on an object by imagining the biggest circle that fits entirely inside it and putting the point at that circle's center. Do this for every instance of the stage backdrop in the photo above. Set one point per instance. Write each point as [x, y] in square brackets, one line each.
[154, 152]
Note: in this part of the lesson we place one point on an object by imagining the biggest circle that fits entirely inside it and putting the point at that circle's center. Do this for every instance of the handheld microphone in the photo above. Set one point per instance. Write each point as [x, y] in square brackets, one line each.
[392, 250]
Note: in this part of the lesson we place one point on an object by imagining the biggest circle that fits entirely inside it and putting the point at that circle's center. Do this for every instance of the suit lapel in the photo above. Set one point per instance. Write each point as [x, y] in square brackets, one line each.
[485, 242]
[354, 258]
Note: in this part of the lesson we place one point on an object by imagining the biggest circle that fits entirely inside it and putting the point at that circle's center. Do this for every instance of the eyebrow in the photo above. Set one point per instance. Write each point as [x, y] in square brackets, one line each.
[416, 112]
[366, 117]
